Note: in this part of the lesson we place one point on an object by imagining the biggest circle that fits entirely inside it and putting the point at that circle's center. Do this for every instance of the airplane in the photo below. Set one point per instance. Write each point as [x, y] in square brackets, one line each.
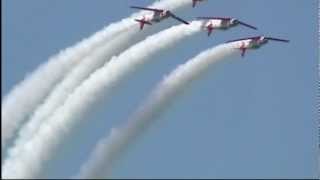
[222, 23]
[157, 16]
[194, 2]
[255, 42]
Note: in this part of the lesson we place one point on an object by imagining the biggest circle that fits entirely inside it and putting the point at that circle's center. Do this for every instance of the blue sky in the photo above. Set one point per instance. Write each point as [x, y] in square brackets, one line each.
[247, 118]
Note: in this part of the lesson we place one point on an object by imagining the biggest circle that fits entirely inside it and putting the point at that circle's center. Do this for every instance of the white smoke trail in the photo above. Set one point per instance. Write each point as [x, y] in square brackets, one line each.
[25, 96]
[108, 149]
[29, 159]
[71, 81]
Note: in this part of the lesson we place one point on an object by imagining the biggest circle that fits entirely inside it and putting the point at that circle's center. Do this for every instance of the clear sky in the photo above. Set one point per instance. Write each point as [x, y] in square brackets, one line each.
[249, 118]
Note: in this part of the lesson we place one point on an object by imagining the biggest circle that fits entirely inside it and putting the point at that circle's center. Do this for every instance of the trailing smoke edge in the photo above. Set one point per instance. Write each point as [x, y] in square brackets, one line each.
[109, 149]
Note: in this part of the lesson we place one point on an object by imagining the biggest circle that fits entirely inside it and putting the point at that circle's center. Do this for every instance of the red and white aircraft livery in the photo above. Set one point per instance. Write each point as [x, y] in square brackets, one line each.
[157, 16]
[194, 2]
[222, 23]
[254, 42]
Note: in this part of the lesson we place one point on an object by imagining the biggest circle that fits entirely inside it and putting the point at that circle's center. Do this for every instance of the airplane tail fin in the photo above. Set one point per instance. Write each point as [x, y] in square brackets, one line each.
[194, 2]
[243, 51]
[210, 29]
[142, 23]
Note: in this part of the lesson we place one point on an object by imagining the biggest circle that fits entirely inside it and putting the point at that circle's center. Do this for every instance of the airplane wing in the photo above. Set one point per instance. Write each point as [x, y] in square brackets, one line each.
[220, 18]
[147, 9]
[247, 25]
[177, 18]
[248, 38]
[276, 39]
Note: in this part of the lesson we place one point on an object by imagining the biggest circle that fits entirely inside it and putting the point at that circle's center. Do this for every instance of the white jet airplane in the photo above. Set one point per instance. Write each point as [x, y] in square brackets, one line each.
[255, 42]
[222, 23]
[157, 16]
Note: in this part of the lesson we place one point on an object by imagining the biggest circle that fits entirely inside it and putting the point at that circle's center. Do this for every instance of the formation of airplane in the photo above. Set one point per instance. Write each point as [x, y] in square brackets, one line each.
[157, 16]
[222, 23]
[209, 24]
[255, 42]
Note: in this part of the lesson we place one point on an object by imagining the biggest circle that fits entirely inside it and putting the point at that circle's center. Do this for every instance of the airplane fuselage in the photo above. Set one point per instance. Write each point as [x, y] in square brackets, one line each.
[219, 24]
[157, 16]
[253, 43]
